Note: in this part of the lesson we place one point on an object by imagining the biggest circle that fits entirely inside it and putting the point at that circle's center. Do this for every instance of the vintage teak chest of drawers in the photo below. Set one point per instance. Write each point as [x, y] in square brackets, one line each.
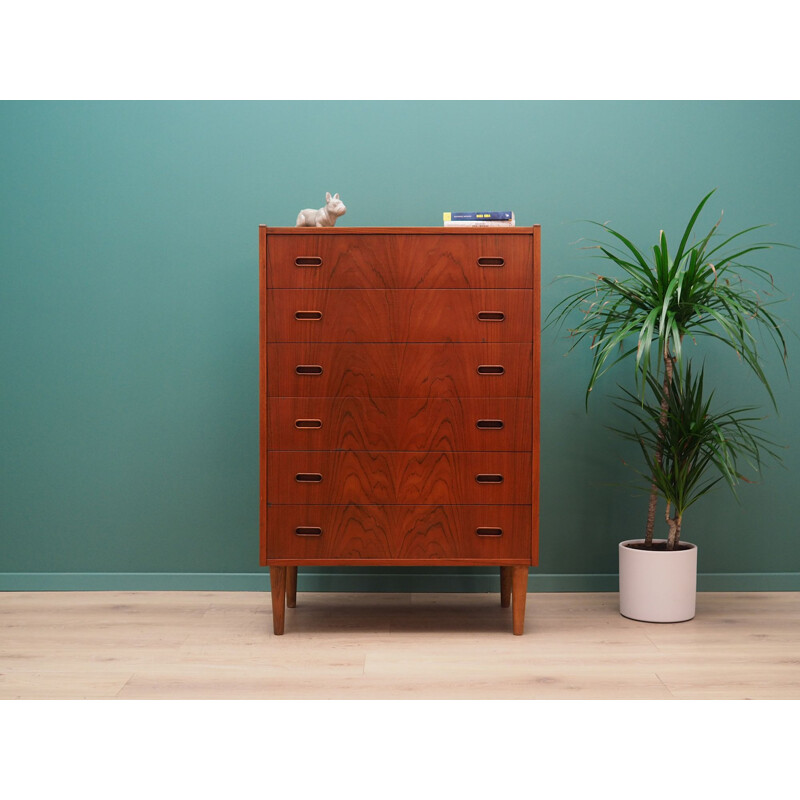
[399, 401]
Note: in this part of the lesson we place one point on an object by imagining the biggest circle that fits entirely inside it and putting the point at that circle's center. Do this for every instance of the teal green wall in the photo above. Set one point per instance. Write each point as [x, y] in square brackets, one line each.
[129, 316]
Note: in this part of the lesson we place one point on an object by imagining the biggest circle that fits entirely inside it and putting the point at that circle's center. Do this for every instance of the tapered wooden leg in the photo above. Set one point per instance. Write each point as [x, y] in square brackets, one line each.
[519, 592]
[505, 586]
[277, 580]
[291, 586]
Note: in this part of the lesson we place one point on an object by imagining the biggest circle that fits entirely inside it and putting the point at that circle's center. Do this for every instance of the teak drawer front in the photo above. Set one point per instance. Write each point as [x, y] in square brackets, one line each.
[399, 370]
[346, 532]
[401, 261]
[399, 315]
[405, 532]
[383, 423]
[441, 532]
[345, 476]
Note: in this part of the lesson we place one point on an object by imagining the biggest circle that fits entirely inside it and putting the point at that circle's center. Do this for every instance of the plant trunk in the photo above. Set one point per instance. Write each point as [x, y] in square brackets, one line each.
[651, 509]
[674, 530]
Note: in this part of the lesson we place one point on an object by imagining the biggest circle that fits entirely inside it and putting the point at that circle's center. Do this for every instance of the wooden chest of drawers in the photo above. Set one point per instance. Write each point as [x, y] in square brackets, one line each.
[399, 401]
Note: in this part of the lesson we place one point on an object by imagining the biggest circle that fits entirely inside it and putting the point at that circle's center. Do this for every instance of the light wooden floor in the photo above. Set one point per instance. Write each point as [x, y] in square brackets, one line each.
[207, 645]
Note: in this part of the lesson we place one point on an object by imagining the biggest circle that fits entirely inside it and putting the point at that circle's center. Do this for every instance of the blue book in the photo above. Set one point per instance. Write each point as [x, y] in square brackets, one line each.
[455, 216]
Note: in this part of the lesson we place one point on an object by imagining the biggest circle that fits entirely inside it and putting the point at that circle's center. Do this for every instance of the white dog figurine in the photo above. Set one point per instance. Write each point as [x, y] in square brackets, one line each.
[323, 217]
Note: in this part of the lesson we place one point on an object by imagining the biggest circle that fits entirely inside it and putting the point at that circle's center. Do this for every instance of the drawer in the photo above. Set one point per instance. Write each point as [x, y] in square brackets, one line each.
[346, 476]
[403, 532]
[480, 532]
[399, 370]
[399, 261]
[384, 423]
[344, 532]
[399, 315]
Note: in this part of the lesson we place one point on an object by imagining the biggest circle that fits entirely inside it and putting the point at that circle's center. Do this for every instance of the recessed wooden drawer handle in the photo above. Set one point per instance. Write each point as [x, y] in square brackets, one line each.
[491, 262]
[491, 369]
[308, 477]
[490, 478]
[308, 261]
[308, 423]
[489, 531]
[308, 369]
[491, 316]
[489, 424]
[308, 530]
[303, 315]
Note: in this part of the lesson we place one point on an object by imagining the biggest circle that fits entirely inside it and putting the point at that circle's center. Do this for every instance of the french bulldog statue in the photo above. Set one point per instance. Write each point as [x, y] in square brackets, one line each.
[323, 217]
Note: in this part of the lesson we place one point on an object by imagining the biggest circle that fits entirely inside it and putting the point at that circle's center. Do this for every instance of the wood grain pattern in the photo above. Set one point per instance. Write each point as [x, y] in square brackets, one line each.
[402, 261]
[396, 477]
[389, 423]
[443, 532]
[400, 533]
[400, 315]
[349, 533]
[399, 370]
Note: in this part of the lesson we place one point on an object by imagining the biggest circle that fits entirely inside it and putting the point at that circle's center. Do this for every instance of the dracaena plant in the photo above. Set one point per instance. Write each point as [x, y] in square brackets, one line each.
[705, 287]
[699, 445]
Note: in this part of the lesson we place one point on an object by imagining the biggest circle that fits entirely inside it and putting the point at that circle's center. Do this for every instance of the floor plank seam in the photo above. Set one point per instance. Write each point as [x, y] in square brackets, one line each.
[658, 649]
[122, 688]
[669, 691]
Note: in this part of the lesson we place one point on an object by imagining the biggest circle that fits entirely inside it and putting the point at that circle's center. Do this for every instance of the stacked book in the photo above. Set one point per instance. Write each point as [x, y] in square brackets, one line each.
[488, 219]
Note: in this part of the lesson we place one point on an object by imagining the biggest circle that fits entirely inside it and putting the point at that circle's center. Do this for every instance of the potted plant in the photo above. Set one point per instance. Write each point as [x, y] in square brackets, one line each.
[643, 316]
[699, 446]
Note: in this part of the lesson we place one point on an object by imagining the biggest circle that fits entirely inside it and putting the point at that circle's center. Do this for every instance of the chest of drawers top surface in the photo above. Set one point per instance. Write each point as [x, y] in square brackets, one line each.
[388, 230]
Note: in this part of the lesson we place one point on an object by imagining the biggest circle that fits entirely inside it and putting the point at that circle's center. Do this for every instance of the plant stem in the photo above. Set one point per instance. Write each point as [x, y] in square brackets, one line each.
[674, 530]
[651, 509]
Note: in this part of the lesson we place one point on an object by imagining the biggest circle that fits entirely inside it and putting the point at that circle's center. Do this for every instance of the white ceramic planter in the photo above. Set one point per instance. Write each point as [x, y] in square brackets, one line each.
[657, 586]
